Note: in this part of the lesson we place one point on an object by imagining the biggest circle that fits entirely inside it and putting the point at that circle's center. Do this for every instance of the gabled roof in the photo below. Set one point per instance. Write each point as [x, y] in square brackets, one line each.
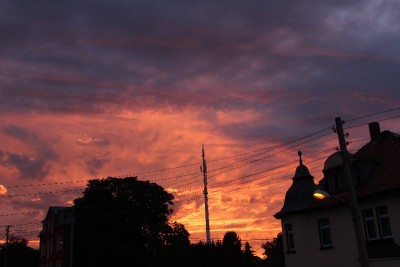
[57, 210]
[384, 153]
[63, 216]
[386, 174]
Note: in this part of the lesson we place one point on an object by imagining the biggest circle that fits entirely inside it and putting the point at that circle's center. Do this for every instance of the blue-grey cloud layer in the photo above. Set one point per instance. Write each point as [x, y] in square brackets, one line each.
[305, 61]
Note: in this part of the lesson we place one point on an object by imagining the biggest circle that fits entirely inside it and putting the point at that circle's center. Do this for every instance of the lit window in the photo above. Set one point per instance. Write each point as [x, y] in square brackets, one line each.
[383, 222]
[325, 233]
[290, 238]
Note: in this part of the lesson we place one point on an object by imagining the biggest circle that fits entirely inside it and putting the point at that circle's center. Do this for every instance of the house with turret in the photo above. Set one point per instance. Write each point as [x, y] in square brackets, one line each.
[321, 232]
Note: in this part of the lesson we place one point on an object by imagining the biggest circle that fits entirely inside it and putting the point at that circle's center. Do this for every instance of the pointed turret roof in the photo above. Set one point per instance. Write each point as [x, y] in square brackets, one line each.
[299, 195]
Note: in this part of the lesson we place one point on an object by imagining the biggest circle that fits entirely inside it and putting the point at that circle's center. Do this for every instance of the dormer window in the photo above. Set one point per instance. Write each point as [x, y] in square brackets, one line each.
[334, 182]
[334, 177]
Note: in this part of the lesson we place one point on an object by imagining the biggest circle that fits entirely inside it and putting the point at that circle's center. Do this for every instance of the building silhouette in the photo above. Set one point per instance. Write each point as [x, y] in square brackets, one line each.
[55, 238]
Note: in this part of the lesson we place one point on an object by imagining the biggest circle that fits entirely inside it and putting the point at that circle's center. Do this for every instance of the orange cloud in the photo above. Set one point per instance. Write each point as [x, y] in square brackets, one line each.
[3, 190]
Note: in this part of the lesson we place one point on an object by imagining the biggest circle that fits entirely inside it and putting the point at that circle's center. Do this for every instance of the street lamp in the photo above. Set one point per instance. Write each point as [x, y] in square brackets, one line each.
[321, 194]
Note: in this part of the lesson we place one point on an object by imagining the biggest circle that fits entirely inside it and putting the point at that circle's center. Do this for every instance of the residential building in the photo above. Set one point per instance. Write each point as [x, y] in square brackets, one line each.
[321, 232]
[55, 237]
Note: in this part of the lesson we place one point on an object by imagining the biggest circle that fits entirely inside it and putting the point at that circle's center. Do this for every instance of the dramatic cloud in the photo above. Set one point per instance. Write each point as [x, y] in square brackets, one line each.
[90, 89]
[33, 166]
[3, 190]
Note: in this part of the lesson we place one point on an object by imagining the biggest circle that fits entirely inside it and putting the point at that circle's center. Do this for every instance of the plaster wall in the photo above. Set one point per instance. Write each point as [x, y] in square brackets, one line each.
[344, 252]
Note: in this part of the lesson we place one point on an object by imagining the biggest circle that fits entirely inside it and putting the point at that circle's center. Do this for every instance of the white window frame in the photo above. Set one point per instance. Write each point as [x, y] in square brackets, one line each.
[323, 226]
[291, 247]
[369, 224]
[375, 221]
[380, 217]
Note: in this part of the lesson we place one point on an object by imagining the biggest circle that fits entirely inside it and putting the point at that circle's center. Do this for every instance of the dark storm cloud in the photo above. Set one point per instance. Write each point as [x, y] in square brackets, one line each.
[305, 61]
[33, 166]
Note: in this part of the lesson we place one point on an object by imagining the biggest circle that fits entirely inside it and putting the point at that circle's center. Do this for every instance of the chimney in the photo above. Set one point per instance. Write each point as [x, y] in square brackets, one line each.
[374, 130]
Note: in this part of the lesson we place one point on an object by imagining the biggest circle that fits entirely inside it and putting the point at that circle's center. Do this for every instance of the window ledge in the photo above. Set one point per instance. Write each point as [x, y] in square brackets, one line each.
[326, 247]
[291, 252]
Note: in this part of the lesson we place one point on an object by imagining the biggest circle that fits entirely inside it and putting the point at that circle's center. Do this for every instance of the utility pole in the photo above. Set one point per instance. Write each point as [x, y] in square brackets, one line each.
[205, 192]
[6, 246]
[71, 246]
[353, 204]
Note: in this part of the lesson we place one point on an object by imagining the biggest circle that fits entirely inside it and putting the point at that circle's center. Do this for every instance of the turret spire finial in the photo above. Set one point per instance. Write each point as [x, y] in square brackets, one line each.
[301, 161]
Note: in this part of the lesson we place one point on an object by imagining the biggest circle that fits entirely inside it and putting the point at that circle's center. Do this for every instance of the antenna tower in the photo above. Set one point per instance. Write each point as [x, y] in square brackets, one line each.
[205, 192]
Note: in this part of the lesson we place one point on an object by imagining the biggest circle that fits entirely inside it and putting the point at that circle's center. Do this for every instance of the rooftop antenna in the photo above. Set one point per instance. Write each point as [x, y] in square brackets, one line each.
[203, 168]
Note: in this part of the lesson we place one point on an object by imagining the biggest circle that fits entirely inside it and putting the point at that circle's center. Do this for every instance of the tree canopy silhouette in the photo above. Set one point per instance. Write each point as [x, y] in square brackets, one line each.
[250, 260]
[274, 253]
[124, 221]
[19, 254]
[232, 246]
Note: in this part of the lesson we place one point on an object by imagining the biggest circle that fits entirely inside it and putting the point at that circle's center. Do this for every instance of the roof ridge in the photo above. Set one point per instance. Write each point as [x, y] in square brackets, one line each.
[395, 145]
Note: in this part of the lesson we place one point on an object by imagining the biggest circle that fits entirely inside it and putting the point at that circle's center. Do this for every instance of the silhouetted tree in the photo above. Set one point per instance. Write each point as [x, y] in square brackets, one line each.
[177, 246]
[250, 260]
[177, 235]
[274, 253]
[121, 222]
[232, 246]
[210, 255]
[217, 254]
[19, 254]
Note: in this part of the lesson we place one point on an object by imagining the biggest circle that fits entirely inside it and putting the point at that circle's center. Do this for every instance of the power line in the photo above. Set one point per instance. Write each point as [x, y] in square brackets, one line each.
[268, 182]
[373, 114]
[217, 184]
[41, 193]
[176, 167]
[363, 124]
[266, 149]
[22, 224]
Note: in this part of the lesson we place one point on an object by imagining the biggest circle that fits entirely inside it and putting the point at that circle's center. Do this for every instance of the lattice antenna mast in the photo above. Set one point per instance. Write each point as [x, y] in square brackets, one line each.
[203, 168]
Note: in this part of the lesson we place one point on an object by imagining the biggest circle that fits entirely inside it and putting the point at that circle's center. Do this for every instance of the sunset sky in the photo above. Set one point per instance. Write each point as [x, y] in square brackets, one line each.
[95, 88]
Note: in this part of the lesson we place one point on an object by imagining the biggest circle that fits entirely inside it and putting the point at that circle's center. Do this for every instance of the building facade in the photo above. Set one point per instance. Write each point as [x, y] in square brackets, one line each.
[321, 232]
[56, 238]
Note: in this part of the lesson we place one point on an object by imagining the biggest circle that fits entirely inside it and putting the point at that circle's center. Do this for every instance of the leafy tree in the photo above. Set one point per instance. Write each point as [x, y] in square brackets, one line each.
[274, 253]
[210, 255]
[232, 242]
[232, 246]
[18, 253]
[121, 222]
[178, 236]
[176, 248]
